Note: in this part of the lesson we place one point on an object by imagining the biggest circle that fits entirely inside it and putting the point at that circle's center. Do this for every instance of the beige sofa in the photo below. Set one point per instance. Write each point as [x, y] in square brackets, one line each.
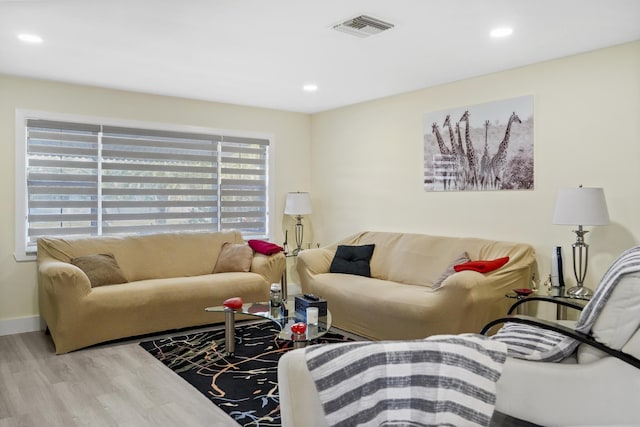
[398, 302]
[169, 284]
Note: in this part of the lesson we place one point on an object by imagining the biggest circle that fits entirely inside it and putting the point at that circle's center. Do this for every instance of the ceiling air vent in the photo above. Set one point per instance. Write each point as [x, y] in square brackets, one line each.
[363, 26]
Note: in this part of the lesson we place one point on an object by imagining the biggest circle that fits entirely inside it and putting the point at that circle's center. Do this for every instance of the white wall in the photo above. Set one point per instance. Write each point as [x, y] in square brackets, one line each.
[367, 167]
[291, 152]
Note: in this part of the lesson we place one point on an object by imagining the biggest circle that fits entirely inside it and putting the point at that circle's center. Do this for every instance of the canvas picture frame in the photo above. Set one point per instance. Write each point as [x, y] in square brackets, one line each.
[480, 147]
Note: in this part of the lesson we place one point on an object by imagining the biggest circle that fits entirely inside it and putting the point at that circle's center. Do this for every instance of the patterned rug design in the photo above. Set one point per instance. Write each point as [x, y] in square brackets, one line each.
[244, 386]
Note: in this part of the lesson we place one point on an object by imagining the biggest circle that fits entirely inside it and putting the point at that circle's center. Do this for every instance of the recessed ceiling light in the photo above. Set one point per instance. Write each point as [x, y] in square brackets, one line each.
[310, 87]
[30, 38]
[501, 32]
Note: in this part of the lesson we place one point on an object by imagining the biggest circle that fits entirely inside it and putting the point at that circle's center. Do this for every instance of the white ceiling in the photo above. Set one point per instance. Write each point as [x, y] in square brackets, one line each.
[261, 52]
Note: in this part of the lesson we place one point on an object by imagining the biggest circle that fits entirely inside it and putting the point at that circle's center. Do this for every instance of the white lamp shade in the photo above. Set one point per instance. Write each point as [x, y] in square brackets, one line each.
[581, 206]
[298, 204]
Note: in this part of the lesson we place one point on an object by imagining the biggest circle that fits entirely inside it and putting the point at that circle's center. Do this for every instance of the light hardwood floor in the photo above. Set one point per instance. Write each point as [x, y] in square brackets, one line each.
[110, 385]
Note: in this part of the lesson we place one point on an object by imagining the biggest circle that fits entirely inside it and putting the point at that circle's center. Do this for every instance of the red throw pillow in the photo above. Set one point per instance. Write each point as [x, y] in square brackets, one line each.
[266, 248]
[482, 266]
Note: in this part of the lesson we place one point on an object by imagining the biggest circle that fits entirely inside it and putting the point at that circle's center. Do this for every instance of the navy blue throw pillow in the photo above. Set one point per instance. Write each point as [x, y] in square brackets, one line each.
[352, 260]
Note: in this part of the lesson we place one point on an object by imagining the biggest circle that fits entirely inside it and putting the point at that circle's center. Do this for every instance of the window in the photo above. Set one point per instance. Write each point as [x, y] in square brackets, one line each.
[85, 179]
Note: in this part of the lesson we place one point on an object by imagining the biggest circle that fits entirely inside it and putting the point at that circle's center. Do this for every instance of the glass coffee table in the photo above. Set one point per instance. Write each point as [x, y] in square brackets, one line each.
[284, 316]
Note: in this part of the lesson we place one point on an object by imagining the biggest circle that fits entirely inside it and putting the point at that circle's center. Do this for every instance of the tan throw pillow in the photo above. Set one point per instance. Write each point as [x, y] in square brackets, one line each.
[102, 269]
[460, 259]
[234, 257]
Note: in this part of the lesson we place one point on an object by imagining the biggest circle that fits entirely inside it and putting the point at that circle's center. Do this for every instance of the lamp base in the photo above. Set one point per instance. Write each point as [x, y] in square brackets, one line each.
[579, 292]
[299, 235]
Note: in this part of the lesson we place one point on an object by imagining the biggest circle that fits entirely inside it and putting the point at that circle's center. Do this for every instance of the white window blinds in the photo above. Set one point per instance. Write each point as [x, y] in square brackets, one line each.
[87, 180]
[62, 179]
[158, 181]
[243, 185]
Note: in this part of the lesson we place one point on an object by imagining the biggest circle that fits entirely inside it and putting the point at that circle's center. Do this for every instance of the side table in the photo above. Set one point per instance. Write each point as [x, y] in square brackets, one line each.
[519, 307]
[562, 302]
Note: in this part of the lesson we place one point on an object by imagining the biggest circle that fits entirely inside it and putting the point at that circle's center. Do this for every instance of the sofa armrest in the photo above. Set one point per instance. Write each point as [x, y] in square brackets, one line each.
[497, 283]
[271, 267]
[469, 286]
[61, 287]
[315, 261]
[514, 274]
[465, 280]
[468, 290]
[61, 278]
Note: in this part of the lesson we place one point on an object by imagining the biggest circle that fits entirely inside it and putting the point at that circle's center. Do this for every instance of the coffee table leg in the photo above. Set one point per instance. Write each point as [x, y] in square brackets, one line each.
[229, 331]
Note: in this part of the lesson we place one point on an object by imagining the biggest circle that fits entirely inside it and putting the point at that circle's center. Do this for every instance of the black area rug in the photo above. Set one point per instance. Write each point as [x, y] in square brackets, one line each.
[245, 386]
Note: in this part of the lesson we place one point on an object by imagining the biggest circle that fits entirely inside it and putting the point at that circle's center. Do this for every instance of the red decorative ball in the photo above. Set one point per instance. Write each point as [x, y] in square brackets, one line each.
[299, 328]
[233, 303]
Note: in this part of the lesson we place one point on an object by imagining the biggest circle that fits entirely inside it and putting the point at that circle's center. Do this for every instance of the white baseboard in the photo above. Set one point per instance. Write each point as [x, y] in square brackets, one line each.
[20, 325]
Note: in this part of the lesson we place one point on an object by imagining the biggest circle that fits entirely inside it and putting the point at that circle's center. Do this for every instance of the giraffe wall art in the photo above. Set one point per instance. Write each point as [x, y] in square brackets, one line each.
[490, 149]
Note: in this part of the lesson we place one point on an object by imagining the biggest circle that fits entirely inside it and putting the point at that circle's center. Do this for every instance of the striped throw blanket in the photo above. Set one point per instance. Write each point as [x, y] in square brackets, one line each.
[443, 380]
[532, 343]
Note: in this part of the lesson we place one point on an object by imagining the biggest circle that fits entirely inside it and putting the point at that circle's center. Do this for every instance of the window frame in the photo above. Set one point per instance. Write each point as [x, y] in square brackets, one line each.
[21, 240]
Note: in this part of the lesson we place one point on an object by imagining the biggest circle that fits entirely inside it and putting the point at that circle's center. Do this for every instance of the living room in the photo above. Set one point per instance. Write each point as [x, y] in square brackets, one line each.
[363, 163]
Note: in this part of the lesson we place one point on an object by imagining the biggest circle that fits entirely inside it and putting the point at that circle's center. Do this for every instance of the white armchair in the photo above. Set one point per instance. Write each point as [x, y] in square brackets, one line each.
[599, 385]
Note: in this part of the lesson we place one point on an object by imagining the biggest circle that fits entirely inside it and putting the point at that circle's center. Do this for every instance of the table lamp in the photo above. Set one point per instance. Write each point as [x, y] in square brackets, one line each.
[298, 204]
[580, 206]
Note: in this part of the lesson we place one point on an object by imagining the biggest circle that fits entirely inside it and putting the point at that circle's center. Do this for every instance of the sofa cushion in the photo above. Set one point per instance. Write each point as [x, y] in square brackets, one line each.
[265, 248]
[234, 257]
[101, 269]
[482, 266]
[460, 259]
[352, 260]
